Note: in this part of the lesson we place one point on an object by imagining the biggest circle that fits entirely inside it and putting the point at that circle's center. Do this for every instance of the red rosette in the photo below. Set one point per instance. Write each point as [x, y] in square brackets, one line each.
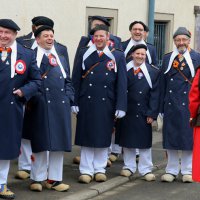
[52, 60]
[20, 67]
[110, 65]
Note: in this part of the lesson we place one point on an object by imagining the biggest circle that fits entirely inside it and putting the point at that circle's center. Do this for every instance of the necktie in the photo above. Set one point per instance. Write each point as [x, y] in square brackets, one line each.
[4, 52]
[180, 57]
[137, 71]
[100, 53]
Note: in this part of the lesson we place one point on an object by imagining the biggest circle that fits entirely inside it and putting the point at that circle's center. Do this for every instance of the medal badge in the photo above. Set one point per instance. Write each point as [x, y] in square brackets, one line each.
[4, 55]
[110, 43]
[140, 75]
[110, 65]
[52, 60]
[182, 66]
[20, 67]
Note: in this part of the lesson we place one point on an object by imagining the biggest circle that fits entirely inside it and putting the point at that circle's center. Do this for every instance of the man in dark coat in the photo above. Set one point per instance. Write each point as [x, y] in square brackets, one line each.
[135, 130]
[137, 30]
[29, 39]
[24, 161]
[100, 82]
[20, 80]
[87, 41]
[178, 69]
[47, 118]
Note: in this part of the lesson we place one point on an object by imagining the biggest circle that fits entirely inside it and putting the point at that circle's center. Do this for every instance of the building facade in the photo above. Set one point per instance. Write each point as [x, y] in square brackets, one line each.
[71, 18]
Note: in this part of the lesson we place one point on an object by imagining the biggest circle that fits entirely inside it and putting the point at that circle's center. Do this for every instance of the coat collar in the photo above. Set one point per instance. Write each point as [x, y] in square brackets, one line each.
[144, 69]
[188, 57]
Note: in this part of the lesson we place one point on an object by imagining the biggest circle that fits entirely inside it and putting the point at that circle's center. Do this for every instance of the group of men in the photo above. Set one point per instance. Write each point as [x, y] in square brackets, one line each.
[115, 86]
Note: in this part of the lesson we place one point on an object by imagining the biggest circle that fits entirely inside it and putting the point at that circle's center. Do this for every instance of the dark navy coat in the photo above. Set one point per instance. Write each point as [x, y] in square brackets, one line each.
[11, 106]
[177, 133]
[85, 40]
[132, 131]
[151, 48]
[26, 40]
[47, 117]
[98, 96]
[60, 49]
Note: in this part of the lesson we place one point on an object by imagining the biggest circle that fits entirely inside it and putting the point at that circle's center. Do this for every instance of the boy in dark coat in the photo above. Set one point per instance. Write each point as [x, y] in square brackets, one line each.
[134, 131]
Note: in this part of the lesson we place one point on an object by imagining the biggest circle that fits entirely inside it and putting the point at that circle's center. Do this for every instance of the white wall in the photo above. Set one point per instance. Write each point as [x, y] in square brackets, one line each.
[70, 15]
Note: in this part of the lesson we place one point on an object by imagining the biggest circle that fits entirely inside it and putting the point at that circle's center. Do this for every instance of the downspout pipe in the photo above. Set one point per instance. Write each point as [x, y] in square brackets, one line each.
[151, 21]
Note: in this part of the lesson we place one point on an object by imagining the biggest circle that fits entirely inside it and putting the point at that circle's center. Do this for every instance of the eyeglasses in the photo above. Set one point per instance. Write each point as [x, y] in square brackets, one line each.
[181, 40]
[138, 29]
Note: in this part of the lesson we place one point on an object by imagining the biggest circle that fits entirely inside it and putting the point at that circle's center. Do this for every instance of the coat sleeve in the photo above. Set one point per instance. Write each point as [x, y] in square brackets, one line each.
[153, 55]
[154, 98]
[194, 96]
[162, 87]
[121, 103]
[34, 78]
[82, 43]
[77, 77]
[65, 54]
[69, 90]
[154, 59]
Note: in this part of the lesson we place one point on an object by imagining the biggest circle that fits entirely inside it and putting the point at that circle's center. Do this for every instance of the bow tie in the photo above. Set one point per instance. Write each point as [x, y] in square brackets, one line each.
[7, 49]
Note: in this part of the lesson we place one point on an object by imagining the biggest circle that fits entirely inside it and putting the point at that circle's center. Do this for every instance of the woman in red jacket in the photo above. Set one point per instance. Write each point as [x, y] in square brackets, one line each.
[194, 98]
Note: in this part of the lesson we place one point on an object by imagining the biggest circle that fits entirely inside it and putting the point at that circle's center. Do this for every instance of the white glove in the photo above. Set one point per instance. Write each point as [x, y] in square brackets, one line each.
[75, 109]
[119, 114]
[161, 115]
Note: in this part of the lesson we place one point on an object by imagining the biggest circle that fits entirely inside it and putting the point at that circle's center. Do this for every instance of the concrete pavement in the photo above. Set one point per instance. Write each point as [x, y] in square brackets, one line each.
[71, 173]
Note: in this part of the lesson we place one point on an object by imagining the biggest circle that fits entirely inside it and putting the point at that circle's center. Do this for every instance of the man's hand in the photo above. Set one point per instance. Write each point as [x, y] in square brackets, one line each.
[18, 93]
[149, 120]
[191, 121]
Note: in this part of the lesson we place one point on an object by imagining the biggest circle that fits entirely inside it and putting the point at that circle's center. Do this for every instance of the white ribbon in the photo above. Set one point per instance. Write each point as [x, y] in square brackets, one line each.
[13, 58]
[40, 54]
[53, 51]
[189, 62]
[130, 44]
[34, 45]
[92, 49]
[107, 52]
[187, 57]
[90, 43]
[143, 67]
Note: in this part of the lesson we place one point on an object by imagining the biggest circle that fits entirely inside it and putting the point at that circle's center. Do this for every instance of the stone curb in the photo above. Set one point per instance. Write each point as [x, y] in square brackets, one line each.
[100, 188]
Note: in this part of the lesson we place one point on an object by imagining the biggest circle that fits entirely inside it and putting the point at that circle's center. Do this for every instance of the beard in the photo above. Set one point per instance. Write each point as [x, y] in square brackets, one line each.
[182, 49]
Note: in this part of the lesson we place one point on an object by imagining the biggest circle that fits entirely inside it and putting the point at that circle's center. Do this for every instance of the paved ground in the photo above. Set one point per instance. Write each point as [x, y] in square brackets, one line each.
[71, 174]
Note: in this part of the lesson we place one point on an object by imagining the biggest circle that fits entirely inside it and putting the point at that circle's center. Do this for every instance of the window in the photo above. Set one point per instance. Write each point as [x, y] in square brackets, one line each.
[110, 14]
[159, 40]
[163, 34]
[197, 28]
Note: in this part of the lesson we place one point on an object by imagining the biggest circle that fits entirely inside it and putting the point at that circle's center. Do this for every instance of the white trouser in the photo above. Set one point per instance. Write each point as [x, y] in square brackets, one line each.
[137, 151]
[93, 160]
[4, 169]
[114, 148]
[55, 166]
[145, 164]
[173, 164]
[24, 160]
